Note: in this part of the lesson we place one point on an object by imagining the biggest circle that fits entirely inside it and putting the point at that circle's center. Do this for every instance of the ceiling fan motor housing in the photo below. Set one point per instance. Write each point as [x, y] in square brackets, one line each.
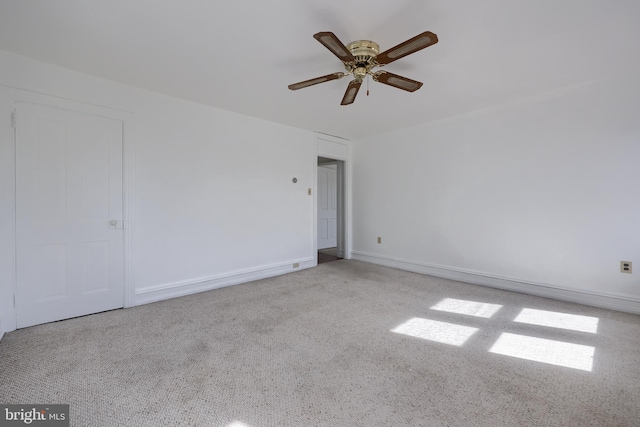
[363, 48]
[364, 51]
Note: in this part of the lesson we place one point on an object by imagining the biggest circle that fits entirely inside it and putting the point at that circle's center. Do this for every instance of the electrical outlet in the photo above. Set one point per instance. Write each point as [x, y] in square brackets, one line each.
[625, 267]
[296, 265]
[379, 240]
[308, 191]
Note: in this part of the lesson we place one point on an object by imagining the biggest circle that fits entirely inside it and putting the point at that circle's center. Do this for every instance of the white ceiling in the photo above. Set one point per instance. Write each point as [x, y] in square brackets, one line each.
[241, 55]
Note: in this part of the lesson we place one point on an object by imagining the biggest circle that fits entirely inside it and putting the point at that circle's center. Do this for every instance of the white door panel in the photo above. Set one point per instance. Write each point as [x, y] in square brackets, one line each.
[327, 207]
[68, 189]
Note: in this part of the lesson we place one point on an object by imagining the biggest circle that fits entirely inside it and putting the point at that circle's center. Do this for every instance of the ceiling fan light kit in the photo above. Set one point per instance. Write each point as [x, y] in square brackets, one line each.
[361, 56]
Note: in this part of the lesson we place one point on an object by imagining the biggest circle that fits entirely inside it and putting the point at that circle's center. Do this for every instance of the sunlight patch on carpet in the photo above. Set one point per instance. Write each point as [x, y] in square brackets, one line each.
[432, 330]
[554, 319]
[471, 308]
[557, 353]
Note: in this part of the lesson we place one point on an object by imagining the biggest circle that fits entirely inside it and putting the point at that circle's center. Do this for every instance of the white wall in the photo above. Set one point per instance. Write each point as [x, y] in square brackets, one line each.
[539, 196]
[209, 191]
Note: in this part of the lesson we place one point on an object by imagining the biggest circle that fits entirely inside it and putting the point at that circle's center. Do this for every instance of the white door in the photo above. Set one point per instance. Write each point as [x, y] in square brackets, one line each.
[327, 207]
[69, 214]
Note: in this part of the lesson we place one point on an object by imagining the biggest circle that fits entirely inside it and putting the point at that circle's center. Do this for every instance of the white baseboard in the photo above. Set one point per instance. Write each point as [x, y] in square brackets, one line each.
[610, 301]
[178, 289]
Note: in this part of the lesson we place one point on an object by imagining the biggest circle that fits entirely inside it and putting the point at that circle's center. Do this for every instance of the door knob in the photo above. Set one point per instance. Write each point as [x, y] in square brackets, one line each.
[116, 224]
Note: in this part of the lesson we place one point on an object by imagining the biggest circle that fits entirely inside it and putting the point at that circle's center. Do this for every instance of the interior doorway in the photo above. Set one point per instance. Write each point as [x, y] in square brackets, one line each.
[331, 207]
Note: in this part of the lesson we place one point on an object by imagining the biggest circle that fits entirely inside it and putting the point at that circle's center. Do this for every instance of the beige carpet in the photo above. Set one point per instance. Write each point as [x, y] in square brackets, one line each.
[343, 344]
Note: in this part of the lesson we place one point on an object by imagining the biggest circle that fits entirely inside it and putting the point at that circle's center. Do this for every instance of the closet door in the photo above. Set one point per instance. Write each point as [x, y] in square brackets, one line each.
[69, 214]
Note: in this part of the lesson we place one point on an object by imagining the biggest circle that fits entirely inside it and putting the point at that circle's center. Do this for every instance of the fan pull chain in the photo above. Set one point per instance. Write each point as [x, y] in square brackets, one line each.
[367, 85]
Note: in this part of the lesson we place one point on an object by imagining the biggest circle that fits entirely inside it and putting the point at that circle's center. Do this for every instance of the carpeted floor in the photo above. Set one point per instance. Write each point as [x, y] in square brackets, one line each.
[343, 344]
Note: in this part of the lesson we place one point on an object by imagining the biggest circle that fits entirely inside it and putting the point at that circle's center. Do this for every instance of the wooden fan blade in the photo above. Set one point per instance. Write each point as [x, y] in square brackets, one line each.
[397, 81]
[311, 82]
[331, 42]
[352, 91]
[412, 45]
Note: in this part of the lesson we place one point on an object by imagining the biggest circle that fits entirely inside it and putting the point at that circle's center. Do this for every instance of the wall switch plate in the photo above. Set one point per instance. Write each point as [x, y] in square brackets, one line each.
[625, 267]
[379, 240]
[296, 265]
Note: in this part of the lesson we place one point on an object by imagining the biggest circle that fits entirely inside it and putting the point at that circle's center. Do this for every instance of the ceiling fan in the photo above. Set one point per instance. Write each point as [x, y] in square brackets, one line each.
[361, 56]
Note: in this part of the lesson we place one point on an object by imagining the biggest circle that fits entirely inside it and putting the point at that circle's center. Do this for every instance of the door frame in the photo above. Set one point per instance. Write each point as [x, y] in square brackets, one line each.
[338, 149]
[10, 97]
